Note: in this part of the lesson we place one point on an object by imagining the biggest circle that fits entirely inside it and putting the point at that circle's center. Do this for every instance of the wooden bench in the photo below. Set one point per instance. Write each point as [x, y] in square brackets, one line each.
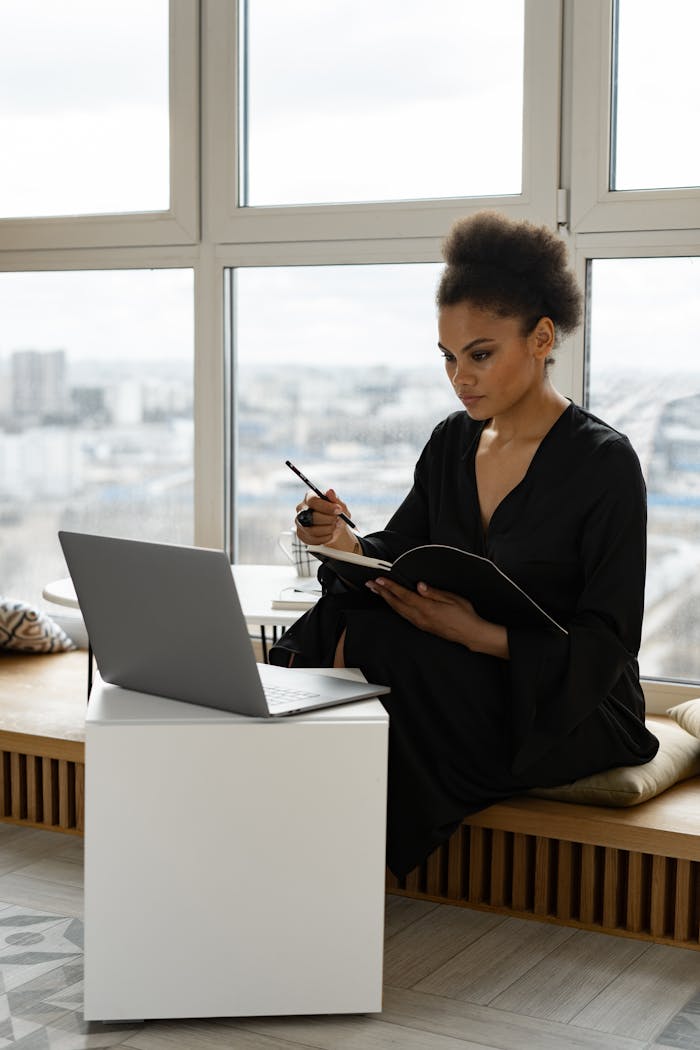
[42, 740]
[632, 871]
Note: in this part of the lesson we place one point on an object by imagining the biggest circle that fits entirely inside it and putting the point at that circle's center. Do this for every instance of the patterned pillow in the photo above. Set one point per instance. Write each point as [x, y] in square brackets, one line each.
[28, 630]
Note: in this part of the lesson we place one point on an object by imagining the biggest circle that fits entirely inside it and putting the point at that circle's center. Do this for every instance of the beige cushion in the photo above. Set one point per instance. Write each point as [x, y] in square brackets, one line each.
[677, 759]
[687, 715]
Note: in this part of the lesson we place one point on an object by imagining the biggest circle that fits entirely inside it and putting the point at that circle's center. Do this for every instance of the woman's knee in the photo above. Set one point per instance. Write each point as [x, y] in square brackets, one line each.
[339, 658]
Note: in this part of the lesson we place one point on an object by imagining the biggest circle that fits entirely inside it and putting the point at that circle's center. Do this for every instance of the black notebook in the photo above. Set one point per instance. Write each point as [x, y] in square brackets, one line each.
[494, 595]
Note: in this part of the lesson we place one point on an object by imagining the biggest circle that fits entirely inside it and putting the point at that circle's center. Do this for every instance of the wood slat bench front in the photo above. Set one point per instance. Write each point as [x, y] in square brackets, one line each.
[632, 871]
[42, 740]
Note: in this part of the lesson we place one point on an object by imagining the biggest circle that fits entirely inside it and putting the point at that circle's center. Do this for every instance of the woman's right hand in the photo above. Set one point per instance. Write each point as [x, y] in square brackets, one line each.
[328, 528]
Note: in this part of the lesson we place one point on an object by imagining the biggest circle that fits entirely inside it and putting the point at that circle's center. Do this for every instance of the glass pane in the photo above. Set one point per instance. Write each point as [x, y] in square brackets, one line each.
[645, 380]
[357, 100]
[343, 376]
[96, 420]
[656, 103]
[84, 115]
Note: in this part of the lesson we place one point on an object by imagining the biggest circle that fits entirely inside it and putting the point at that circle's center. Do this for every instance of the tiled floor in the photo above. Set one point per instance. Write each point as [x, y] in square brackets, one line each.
[454, 980]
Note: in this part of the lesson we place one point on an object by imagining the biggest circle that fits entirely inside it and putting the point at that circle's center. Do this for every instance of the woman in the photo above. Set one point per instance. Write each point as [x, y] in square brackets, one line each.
[555, 497]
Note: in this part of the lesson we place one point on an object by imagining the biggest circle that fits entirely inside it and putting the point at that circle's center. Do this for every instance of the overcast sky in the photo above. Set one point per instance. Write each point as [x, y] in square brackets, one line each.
[658, 102]
[83, 106]
[372, 100]
[121, 314]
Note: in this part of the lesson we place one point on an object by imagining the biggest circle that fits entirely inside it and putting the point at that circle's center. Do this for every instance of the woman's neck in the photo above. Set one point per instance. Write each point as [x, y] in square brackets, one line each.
[530, 419]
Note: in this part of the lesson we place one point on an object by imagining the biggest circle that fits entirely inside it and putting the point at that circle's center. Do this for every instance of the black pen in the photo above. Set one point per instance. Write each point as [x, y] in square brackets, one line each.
[314, 488]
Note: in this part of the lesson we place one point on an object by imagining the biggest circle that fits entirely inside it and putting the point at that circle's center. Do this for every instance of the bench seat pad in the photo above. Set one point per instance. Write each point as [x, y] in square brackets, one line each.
[677, 759]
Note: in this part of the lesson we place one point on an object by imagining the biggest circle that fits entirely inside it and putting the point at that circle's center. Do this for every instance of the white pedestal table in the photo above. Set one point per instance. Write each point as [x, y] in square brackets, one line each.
[233, 866]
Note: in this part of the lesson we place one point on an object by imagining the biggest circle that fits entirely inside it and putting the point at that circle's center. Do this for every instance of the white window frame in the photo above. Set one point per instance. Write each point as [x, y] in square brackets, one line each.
[629, 245]
[595, 208]
[179, 224]
[659, 694]
[605, 223]
[384, 220]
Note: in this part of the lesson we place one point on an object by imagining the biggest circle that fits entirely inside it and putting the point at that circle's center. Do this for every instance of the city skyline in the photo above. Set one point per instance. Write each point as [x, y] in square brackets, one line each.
[129, 471]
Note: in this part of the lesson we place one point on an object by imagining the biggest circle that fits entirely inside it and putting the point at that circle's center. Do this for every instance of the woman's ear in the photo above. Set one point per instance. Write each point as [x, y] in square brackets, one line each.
[542, 338]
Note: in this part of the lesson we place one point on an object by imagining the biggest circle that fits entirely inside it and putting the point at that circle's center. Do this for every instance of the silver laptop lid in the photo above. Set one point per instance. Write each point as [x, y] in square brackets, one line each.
[165, 619]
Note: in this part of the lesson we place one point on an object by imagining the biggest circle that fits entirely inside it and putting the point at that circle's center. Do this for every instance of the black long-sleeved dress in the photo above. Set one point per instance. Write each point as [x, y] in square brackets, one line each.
[467, 729]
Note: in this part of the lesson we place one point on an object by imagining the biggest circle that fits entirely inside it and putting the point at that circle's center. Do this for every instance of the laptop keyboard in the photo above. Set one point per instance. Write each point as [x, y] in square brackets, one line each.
[278, 695]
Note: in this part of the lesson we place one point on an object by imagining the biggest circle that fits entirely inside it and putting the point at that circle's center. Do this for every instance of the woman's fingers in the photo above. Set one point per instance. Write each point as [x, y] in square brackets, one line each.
[394, 594]
[320, 522]
[427, 608]
[335, 499]
[444, 597]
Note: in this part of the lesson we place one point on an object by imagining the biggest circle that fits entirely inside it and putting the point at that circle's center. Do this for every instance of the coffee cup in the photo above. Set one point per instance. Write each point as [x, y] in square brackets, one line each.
[297, 553]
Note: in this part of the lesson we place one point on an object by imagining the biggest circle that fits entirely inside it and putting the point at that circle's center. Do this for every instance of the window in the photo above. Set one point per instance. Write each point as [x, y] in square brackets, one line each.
[635, 224]
[344, 378]
[645, 380]
[359, 101]
[655, 100]
[347, 121]
[96, 414]
[85, 88]
[634, 162]
[99, 124]
[336, 145]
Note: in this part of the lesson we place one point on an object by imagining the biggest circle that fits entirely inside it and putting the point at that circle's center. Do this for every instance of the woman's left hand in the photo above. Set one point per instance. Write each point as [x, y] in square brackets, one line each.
[444, 614]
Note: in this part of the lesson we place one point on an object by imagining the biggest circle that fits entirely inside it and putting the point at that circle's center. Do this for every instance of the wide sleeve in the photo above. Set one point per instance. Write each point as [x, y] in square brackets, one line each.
[558, 680]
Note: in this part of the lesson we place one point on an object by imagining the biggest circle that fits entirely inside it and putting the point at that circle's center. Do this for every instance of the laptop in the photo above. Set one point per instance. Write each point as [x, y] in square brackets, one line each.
[167, 620]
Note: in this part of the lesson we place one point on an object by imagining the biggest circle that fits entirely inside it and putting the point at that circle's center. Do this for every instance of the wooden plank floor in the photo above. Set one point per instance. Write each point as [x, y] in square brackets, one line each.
[455, 979]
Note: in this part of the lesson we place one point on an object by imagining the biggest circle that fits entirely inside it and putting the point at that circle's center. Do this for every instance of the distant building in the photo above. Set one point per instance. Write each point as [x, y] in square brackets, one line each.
[674, 471]
[88, 404]
[40, 463]
[38, 385]
[124, 401]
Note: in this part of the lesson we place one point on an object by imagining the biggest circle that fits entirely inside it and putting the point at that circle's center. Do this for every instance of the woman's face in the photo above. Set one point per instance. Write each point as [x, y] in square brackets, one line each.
[492, 366]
